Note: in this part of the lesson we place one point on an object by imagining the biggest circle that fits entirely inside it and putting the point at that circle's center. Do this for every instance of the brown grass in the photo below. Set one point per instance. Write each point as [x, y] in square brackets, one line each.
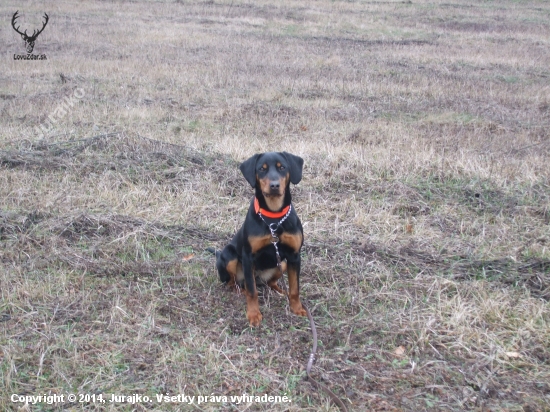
[425, 202]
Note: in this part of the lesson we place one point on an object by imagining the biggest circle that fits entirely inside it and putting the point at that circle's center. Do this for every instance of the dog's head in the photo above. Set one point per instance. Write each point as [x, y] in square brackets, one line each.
[271, 173]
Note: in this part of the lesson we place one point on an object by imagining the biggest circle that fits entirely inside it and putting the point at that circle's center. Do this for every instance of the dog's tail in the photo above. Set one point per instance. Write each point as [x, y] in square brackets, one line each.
[222, 270]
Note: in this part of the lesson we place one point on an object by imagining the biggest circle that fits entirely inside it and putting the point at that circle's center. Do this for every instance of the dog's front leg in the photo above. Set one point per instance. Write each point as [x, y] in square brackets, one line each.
[252, 305]
[293, 266]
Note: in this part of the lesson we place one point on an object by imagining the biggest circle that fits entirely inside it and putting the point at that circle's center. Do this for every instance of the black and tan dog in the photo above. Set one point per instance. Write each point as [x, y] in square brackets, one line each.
[250, 254]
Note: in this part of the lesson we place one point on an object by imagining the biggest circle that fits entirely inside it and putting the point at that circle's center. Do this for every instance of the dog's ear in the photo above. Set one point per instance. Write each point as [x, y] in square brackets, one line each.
[248, 168]
[296, 164]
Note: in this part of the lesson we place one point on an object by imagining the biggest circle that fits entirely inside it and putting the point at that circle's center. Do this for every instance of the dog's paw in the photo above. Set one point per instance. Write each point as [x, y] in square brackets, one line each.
[297, 308]
[274, 287]
[254, 318]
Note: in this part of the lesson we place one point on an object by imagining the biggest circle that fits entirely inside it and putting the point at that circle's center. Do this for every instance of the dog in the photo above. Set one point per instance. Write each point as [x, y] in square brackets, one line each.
[251, 253]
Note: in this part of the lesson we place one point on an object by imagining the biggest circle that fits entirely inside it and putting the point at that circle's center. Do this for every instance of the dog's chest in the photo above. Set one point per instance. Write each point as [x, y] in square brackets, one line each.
[292, 241]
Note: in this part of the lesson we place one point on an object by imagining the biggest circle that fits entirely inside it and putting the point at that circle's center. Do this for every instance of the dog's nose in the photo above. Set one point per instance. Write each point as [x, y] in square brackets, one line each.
[274, 185]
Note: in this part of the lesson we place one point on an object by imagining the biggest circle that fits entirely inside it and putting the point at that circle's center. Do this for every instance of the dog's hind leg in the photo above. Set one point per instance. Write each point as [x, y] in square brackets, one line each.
[227, 263]
[272, 283]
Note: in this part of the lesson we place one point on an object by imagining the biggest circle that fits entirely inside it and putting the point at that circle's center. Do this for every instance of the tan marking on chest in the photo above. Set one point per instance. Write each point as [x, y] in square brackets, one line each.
[259, 242]
[293, 240]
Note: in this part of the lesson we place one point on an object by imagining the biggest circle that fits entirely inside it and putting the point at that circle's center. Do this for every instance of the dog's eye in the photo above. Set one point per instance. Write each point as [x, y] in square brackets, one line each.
[263, 169]
[281, 167]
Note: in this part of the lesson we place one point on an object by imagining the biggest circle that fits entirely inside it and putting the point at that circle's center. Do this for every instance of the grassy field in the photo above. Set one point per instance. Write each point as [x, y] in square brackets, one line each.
[425, 200]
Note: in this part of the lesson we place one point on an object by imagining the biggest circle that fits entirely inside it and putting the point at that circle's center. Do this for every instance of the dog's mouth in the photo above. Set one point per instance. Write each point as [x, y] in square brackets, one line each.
[273, 195]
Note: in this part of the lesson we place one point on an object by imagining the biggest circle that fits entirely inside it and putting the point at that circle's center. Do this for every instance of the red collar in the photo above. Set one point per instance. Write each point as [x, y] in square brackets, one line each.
[267, 213]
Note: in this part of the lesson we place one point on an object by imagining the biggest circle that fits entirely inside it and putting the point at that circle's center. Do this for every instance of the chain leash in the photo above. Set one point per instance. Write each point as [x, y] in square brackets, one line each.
[274, 240]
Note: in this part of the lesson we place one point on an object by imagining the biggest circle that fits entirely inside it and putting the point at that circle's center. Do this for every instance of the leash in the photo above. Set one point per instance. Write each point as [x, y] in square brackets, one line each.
[274, 240]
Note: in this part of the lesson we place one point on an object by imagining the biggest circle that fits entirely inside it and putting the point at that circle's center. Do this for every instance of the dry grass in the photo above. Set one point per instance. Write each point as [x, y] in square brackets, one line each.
[425, 200]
